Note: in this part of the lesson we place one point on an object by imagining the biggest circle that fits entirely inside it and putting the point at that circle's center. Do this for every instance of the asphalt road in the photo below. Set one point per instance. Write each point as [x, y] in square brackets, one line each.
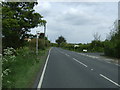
[67, 69]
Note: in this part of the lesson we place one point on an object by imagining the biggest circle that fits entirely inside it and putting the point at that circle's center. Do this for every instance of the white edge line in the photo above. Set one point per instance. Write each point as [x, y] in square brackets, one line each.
[110, 80]
[43, 72]
[80, 62]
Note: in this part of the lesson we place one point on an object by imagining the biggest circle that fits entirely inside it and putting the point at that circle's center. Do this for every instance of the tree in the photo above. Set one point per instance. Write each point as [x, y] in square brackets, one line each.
[96, 36]
[42, 35]
[17, 20]
[60, 40]
[112, 46]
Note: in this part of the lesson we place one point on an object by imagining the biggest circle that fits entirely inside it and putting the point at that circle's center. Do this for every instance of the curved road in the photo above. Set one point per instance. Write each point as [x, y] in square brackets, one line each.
[67, 69]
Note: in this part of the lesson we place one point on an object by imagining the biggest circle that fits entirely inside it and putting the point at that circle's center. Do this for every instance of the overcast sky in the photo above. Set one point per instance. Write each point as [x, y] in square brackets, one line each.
[77, 21]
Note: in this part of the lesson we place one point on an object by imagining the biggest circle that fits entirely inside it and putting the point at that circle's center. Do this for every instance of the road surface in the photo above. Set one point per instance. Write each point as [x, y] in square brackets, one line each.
[67, 69]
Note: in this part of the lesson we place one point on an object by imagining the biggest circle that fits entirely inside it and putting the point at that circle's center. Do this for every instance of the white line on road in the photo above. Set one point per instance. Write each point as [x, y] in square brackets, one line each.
[67, 55]
[110, 80]
[80, 62]
[117, 65]
[91, 69]
[108, 62]
[42, 76]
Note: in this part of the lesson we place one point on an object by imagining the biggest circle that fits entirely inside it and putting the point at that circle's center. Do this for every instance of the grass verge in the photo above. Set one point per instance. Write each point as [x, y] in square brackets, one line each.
[26, 67]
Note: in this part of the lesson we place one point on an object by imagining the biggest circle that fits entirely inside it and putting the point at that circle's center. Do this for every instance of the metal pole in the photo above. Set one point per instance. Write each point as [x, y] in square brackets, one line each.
[74, 47]
[37, 44]
[44, 33]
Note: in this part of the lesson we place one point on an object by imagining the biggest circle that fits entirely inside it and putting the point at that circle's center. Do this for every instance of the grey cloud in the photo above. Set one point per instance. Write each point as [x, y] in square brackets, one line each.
[78, 21]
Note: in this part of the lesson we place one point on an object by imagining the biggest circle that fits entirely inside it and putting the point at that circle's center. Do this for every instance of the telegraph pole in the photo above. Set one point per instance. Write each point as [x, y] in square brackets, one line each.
[44, 32]
[37, 33]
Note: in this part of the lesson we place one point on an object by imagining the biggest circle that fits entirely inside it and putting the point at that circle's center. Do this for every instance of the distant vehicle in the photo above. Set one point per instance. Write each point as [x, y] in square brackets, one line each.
[84, 50]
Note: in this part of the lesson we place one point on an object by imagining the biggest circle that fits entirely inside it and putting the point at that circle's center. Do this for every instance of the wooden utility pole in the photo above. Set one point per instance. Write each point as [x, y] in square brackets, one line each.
[44, 32]
[37, 33]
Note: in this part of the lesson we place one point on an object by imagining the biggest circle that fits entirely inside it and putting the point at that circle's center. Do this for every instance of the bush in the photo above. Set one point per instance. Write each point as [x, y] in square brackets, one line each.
[117, 49]
[8, 60]
[109, 49]
[32, 45]
[41, 44]
[112, 46]
[97, 46]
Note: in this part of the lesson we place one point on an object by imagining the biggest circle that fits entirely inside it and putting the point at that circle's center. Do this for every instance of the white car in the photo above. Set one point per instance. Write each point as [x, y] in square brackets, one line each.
[84, 50]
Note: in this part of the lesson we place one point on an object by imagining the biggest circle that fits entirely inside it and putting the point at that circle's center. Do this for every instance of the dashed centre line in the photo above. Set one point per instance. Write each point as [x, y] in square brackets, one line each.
[67, 55]
[93, 69]
[80, 62]
[108, 62]
[110, 80]
[76, 60]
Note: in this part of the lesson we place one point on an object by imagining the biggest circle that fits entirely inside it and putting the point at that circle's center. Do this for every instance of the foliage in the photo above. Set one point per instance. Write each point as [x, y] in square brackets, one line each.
[112, 46]
[7, 62]
[53, 44]
[97, 46]
[20, 67]
[60, 40]
[42, 44]
[94, 46]
[96, 36]
[17, 19]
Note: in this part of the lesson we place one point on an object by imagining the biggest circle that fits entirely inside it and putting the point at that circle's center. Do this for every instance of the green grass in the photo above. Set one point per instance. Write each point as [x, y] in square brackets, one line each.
[26, 67]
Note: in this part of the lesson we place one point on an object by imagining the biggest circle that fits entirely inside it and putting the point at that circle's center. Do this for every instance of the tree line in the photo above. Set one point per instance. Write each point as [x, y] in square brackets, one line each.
[110, 47]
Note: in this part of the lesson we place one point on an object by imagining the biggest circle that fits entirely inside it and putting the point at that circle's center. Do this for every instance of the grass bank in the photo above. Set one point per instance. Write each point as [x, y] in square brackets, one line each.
[25, 68]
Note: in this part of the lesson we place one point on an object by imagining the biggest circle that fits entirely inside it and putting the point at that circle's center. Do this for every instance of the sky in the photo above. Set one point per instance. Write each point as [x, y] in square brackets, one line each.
[77, 21]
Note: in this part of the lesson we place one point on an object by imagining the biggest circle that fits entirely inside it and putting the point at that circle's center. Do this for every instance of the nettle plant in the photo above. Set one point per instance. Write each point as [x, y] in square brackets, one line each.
[7, 61]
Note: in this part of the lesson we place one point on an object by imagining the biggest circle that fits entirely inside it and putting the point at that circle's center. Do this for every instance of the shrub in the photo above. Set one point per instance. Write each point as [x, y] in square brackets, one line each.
[8, 60]
[41, 44]
[109, 49]
[32, 45]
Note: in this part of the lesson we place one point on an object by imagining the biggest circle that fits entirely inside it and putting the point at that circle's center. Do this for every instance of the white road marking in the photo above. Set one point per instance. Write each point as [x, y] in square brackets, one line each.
[109, 59]
[110, 80]
[91, 56]
[80, 62]
[98, 58]
[117, 64]
[67, 55]
[108, 62]
[42, 76]
[91, 69]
